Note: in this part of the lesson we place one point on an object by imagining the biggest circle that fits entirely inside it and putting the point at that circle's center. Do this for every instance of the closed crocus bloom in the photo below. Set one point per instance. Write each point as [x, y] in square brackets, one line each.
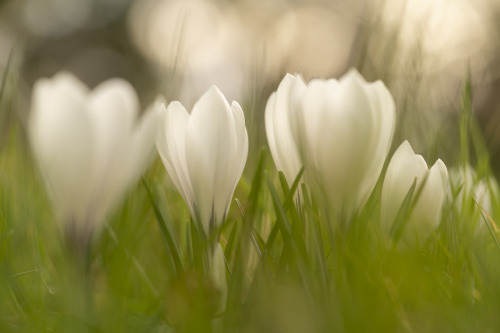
[204, 153]
[404, 168]
[343, 130]
[90, 146]
[278, 130]
[468, 192]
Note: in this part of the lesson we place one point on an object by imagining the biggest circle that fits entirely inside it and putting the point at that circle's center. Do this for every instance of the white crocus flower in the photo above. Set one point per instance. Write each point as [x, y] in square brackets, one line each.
[204, 153]
[340, 129]
[469, 192]
[404, 168]
[90, 147]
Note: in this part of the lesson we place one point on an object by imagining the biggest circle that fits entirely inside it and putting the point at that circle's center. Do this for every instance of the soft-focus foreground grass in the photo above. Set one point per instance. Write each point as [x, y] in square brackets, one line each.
[288, 270]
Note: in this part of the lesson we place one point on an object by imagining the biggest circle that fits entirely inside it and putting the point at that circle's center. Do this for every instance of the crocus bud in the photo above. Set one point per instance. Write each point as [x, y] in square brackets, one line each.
[340, 130]
[472, 196]
[404, 168]
[90, 146]
[204, 153]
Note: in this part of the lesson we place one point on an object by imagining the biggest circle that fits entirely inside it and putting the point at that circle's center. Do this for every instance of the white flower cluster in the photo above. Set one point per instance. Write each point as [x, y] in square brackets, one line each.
[341, 132]
[91, 147]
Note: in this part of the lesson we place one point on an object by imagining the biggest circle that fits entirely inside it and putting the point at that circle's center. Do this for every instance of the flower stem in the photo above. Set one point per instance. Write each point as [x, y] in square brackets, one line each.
[80, 315]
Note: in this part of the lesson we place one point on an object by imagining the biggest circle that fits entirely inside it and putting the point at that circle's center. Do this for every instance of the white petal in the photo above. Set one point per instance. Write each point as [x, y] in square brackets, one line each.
[309, 116]
[278, 126]
[352, 119]
[113, 107]
[140, 151]
[238, 161]
[210, 144]
[465, 189]
[269, 125]
[170, 143]
[143, 140]
[403, 168]
[482, 193]
[241, 140]
[60, 134]
[428, 208]
[69, 84]
[383, 107]
[338, 128]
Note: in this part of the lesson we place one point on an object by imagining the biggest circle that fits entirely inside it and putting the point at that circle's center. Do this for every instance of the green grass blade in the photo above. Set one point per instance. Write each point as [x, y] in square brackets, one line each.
[164, 227]
[489, 222]
[465, 120]
[403, 214]
[291, 192]
[252, 213]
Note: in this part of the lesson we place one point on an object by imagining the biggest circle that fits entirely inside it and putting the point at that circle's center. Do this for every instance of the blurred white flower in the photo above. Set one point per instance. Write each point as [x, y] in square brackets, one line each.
[404, 167]
[342, 131]
[194, 39]
[299, 38]
[89, 145]
[204, 153]
[467, 191]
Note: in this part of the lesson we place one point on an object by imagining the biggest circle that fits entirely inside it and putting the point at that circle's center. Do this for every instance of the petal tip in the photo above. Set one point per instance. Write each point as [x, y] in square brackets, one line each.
[353, 74]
